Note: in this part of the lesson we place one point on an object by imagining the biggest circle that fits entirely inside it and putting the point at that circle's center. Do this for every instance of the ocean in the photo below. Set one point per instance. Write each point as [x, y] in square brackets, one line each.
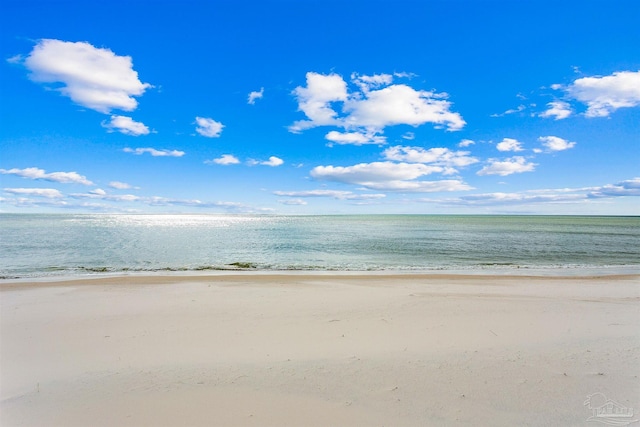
[43, 245]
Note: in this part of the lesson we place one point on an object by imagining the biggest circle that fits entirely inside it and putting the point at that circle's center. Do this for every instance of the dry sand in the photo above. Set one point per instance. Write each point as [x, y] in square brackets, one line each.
[317, 350]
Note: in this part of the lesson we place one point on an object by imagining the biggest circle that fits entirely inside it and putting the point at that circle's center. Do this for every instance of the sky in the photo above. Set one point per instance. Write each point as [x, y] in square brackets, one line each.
[320, 107]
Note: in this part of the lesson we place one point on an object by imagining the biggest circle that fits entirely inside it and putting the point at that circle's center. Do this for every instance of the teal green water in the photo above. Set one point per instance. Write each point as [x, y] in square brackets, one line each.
[45, 245]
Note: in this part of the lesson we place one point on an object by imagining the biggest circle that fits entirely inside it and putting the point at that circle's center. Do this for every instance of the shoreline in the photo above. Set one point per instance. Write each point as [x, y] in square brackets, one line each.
[613, 272]
[249, 349]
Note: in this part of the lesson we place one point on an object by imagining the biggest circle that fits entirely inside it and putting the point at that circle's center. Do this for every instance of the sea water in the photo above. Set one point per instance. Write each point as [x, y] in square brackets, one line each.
[37, 245]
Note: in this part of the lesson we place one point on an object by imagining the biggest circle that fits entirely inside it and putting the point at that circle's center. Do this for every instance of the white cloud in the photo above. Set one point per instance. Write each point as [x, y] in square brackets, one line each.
[604, 95]
[519, 109]
[126, 125]
[557, 109]
[100, 194]
[517, 164]
[293, 202]
[354, 138]
[388, 176]
[466, 143]
[49, 193]
[366, 83]
[376, 105]
[410, 136]
[273, 162]
[119, 185]
[509, 144]
[629, 187]
[421, 186]
[335, 194]
[437, 156]
[93, 77]
[315, 100]
[36, 173]
[401, 104]
[255, 95]
[208, 127]
[154, 152]
[518, 198]
[225, 159]
[554, 143]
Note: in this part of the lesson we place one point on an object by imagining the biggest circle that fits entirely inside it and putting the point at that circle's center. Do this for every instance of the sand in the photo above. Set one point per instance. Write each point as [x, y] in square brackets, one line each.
[318, 350]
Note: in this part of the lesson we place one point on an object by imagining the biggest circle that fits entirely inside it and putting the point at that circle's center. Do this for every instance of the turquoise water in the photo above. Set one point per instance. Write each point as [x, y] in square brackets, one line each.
[64, 245]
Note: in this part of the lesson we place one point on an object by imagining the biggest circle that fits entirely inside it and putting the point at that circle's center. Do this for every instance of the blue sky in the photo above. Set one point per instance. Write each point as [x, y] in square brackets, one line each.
[320, 107]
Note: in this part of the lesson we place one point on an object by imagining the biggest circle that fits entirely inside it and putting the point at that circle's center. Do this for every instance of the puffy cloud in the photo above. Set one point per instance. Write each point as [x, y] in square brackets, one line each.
[436, 156]
[49, 193]
[466, 143]
[273, 162]
[604, 95]
[388, 176]
[36, 173]
[93, 77]
[315, 100]
[373, 172]
[401, 104]
[335, 194]
[126, 125]
[208, 127]
[509, 144]
[557, 109]
[225, 159]
[376, 105]
[255, 95]
[517, 164]
[154, 152]
[554, 143]
[355, 138]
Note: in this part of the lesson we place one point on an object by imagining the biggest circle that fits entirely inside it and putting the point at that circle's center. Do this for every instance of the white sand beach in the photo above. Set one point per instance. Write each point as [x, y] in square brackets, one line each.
[317, 350]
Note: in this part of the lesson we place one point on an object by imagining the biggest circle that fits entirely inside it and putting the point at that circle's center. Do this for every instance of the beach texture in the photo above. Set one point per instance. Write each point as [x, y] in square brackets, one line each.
[317, 350]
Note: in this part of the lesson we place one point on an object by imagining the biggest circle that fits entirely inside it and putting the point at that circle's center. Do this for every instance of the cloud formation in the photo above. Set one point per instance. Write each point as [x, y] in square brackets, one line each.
[255, 95]
[119, 185]
[273, 162]
[126, 125]
[154, 152]
[92, 77]
[388, 176]
[49, 193]
[367, 110]
[442, 157]
[509, 144]
[554, 143]
[628, 188]
[354, 138]
[208, 127]
[335, 194]
[605, 94]
[558, 110]
[36, 173]
[225, 159]
[516, 164]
